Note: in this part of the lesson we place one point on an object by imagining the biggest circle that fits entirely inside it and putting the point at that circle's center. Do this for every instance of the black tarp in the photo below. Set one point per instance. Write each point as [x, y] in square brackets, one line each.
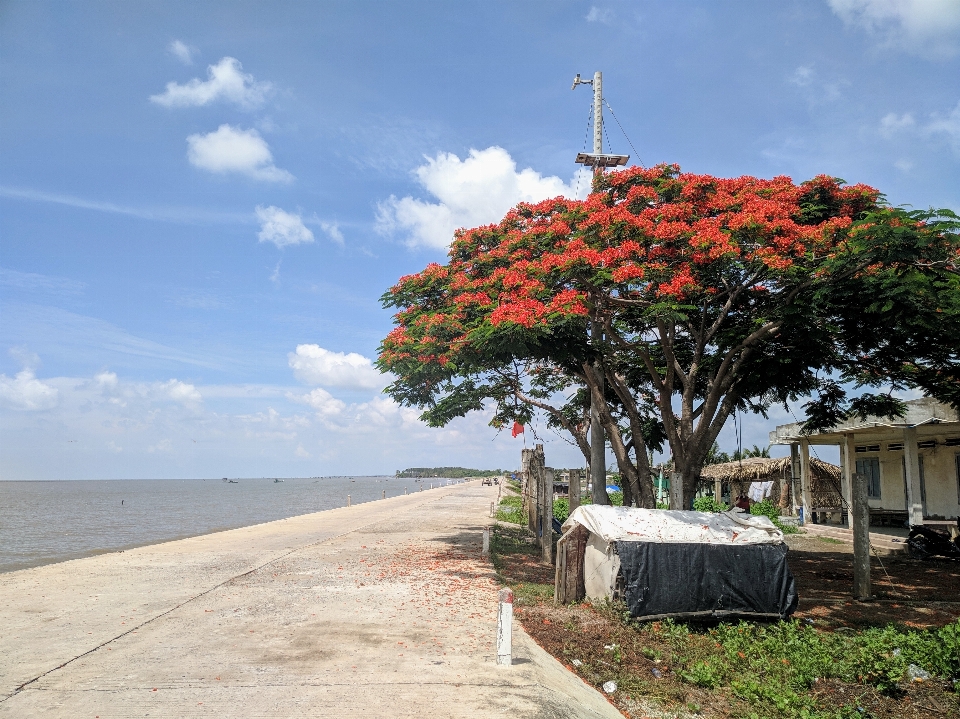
[706, 580]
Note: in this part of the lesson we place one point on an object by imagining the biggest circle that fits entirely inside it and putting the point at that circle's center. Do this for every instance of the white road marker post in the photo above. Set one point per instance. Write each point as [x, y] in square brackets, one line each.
[348, 500]
[505, 628]
[486, 540]
[492, 510]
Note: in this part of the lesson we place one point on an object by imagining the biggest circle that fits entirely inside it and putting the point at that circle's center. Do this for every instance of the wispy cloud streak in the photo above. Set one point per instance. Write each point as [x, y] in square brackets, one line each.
[180, 215]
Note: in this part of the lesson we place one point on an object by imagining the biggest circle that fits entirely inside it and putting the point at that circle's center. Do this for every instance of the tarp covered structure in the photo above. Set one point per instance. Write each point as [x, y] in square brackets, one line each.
[669, 563]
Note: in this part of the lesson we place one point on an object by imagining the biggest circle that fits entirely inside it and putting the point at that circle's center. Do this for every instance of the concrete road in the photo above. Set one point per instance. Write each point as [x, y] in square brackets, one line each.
[385, 609]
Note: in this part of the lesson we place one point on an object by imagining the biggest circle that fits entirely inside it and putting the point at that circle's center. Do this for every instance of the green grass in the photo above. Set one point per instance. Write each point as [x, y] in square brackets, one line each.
[776, 671]
[511, 510]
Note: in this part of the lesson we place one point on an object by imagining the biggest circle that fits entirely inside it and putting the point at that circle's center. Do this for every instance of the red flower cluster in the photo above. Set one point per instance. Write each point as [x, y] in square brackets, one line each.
[646, 234]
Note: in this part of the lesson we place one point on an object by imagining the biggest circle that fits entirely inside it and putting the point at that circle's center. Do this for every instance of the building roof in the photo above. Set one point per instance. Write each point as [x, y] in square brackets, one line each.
[761, 469]
[925, 412]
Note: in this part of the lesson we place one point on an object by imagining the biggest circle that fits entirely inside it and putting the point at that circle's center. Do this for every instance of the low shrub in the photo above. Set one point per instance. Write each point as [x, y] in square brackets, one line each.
[708, 504]
[511, 510]
[766, 508]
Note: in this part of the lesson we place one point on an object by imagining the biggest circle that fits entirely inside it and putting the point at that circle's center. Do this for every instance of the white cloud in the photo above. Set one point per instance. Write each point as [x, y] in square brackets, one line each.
[893, 123]
[476, 191]
[25, 392]
[599, 15]
[333, 232]
[226, 81]
[181, 392]
[164, 445]
[230, 149]
[106, 426]
[802, 76]
[181, 51]
[315, 365]
[929, 28]
[947, 124]
[325, 403]
[282, 228]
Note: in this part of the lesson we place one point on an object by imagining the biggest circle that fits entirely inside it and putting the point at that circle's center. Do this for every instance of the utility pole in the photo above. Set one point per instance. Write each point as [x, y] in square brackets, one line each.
[597, 160]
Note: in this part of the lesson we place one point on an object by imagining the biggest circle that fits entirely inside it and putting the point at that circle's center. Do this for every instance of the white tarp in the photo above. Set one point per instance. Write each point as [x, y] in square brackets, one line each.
[613, 524]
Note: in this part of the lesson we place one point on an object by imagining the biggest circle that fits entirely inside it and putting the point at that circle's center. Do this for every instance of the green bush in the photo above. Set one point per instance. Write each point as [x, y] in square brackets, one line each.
[766, 508]
[561, 509]
[708, 504]
[511, 510]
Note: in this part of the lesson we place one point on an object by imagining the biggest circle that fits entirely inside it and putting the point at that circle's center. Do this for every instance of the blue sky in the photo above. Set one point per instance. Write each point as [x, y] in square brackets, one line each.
[201, 203]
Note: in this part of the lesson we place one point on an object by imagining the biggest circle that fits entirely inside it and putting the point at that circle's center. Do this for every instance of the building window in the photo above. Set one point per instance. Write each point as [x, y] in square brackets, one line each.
[870, 468]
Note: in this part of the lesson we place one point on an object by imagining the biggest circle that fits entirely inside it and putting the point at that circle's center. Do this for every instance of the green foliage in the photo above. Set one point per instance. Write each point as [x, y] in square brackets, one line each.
[766, 508]
[511, 510]
[715, 456]
[709, 504]
[447, 472]
[774, 666]
[561, 509]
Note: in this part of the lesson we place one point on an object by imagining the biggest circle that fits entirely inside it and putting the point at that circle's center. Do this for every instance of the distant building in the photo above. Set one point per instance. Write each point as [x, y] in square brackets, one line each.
[911, 464]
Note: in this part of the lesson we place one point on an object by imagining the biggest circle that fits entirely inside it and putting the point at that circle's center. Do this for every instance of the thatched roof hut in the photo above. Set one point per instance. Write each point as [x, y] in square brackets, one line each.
[824, 485]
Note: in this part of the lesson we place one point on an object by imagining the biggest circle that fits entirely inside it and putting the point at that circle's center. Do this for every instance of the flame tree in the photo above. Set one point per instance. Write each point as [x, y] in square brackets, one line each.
[704, 295]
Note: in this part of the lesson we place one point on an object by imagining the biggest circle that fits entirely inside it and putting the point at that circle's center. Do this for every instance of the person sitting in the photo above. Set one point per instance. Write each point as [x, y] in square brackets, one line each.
[742, 503]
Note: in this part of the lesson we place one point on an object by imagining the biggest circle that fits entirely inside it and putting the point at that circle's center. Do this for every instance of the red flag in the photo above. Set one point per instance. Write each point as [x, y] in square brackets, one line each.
[517, 429]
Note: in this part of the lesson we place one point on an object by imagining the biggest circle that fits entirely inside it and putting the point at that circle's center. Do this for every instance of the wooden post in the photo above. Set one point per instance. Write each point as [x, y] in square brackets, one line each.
[717, 490]
[861, 539]
[528, 489]
[574, 494]
[569, 583]
[544, 505]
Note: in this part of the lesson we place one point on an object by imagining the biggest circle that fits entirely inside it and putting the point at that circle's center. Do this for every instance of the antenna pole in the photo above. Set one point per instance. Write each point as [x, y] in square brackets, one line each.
[597, 115]
[598, 439]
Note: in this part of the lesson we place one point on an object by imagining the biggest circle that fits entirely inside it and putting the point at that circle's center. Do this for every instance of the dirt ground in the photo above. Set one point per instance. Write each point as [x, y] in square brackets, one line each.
[908, 592]
[918, 594]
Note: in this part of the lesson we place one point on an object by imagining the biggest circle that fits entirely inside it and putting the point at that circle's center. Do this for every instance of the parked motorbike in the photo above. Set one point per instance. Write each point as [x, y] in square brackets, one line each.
[925, 542]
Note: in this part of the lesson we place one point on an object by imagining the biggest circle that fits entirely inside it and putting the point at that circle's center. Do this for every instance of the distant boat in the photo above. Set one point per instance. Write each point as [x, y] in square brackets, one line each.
[275, 481]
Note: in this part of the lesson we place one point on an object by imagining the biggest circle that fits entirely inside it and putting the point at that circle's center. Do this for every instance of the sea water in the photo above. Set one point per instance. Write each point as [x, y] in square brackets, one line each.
[52, 521]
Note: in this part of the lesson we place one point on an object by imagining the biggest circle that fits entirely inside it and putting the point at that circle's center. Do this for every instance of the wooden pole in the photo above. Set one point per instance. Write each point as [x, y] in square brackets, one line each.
[574, 494]
[861, 539]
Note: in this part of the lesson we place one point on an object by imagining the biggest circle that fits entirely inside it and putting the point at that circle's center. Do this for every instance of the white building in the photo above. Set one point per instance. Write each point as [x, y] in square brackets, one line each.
[911, 464]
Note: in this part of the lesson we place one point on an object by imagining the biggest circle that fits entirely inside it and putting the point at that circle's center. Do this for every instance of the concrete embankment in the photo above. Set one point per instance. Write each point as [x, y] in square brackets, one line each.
[381, 609]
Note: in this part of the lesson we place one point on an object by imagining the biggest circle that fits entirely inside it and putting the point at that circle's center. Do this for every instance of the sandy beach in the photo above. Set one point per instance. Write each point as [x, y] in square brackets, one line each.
[382, 609]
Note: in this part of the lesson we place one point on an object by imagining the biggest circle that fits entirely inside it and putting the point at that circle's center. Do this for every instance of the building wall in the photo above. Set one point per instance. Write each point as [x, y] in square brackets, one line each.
[940, 473]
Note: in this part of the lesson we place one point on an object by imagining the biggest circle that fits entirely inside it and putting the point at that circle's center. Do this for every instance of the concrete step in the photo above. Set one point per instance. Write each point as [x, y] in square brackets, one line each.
[883, 543]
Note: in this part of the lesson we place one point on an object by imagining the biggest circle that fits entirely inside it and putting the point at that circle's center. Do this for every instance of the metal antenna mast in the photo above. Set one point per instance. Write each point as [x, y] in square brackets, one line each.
[597, 160]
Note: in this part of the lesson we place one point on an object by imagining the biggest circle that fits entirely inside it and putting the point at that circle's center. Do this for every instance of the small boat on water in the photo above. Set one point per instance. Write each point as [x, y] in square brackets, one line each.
[277, 481]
